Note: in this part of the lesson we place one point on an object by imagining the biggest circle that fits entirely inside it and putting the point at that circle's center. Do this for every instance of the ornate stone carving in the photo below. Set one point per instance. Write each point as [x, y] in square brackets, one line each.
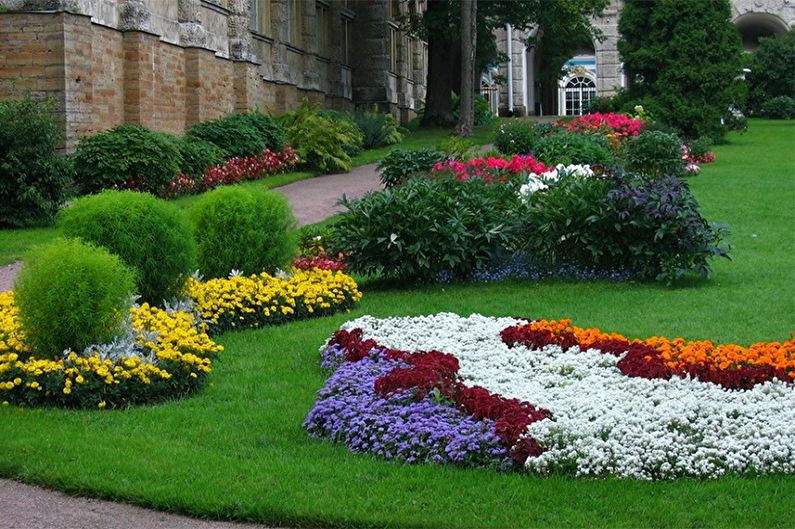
[134, 15]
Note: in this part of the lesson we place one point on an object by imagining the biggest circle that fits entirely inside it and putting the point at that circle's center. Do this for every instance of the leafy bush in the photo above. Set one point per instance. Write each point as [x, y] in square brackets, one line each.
[250, 230]
[33, 178]
[654, 153]
[572, 148]
[483, 113]
[428, 228]
[127, 156]
[149, 234]
[700, 147]
[781, 107]
[320, 142]
[771, 67]
[240, 135]
[400, 165]
[517, 137]
[72, 295]
[343, 117]
[313, 240]
[198, 155]
[602, 104]
[378, 129]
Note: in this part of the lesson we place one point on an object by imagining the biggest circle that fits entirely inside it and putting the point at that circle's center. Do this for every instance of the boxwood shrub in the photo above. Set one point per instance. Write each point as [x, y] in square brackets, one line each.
[401, 164]
[567, 148]
[517, 137]
[240, 135]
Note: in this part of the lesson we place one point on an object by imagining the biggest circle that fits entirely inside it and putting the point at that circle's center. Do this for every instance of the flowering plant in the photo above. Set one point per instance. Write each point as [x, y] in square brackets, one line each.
[489, 169]
[539, 182]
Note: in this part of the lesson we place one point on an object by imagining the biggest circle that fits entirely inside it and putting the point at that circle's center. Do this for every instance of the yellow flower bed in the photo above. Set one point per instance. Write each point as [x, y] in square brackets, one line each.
[253, 301]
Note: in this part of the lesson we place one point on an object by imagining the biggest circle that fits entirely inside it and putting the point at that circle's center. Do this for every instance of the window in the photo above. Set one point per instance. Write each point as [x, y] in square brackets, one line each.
[261, 16]
[579, 93]
[346, 40]
[412, 47]
[323, 31]
[394, 9]
[294, 22]
[393, 49]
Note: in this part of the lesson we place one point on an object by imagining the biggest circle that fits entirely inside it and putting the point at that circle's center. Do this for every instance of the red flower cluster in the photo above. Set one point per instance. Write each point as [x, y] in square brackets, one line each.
[611, 124]
[490, 169]
[235, 170]
[642, 359]
[322, 261]
[434, 370]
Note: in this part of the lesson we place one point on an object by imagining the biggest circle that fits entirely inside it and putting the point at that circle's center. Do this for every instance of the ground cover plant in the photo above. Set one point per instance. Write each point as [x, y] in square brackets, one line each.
[238, 450]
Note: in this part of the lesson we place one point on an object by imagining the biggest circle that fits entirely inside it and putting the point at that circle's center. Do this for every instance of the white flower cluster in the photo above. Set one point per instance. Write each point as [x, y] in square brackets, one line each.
[539, 182]
[603, 421]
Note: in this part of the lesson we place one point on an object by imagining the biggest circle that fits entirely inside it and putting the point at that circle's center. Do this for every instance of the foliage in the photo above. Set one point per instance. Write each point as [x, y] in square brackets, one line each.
[378, 129]
[241, 135]
[33, 178]
[602, 104]
[149, 234]
[400, 165]
[128, 156]
[699, 148]
[313, 239]
[337, 116]
[517, 137]
[320, 142]
[654, 153]
[427, 228]
[249, 230]
[458, 148]
[482, 112]
[771, 71]
[686, 56]
[571, 148]
[781, 107]
[71, 295]
[197, 155]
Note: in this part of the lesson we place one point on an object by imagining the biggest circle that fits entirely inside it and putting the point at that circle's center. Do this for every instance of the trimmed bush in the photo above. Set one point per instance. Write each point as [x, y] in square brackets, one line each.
[239, 229]
[517, 137]
[572, 148]
[428, 229]
[72, 295]
[400, 165]
[128, 156]
[149, 234]
[378, 129]
[653, 153]
[240, 135]
[33, 178]
[198, 155]
[781, 107]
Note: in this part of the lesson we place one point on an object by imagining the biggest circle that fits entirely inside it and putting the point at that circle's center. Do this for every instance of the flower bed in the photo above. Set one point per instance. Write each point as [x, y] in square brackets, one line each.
[557, 399]
[616, 127]
[489, 169]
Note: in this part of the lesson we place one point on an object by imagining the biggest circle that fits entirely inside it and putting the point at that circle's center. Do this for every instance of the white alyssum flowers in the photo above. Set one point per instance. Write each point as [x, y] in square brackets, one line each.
[603, 421]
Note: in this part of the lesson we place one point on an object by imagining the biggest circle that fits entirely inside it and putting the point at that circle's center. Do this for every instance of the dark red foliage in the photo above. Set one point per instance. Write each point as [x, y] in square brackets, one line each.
[536, 339]
[351, 341]
[644, 362]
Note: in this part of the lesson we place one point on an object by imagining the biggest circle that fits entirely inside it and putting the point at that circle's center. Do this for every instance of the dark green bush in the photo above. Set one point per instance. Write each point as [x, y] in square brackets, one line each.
[653, 153]
[250, 230]
[378, 129]
[571, 148]
[72, 295]
[428, 228]
[149, 234]
[240, 135]
[772, 66]
[33, 178]
[602, 105]
[127, 156]
[198, 155]
[700, 147]
[400, 165]
[517, 137]
[781, 107]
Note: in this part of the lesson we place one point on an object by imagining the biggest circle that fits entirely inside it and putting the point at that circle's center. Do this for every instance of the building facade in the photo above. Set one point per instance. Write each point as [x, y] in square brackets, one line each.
[168, 64]
[597, 70]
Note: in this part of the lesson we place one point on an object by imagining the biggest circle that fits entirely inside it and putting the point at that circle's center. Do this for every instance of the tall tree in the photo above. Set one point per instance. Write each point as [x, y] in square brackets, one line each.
[469, 29]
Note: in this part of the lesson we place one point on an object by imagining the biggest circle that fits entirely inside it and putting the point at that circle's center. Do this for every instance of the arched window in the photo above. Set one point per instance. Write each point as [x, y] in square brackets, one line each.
[579, 92]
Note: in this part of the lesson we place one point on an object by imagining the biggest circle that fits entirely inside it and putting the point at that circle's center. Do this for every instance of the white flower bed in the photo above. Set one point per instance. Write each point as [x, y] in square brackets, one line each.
[603, 421]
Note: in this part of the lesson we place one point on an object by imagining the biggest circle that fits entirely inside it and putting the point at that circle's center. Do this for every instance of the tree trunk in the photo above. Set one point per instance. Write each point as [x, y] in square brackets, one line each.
[466, 117]
[438, 105]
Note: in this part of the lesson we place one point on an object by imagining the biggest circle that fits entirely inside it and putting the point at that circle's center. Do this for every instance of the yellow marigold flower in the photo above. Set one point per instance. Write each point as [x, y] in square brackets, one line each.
[17, 381]
[79, 379]
[101, 405]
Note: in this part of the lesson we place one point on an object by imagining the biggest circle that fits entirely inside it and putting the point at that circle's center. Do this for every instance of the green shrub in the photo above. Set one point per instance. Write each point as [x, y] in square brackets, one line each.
[127, 156]
[428, 228]
[571, 148]
[198, 155]
[72, 295]
[378, 129]
[483, 113]
[781, 107]
[700, 147]
[400, 165]
[318, 141]
[314, 240]
[772, 66]
[352, 148]
[457, 148]
[241, 135]
[653, 153]
[517, 137]
[241, 229]
[33, 178]
[601, 105]
[149, 234]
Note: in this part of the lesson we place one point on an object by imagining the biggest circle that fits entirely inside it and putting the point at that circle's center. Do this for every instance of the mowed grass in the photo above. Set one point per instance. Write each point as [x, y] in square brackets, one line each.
[238, 451]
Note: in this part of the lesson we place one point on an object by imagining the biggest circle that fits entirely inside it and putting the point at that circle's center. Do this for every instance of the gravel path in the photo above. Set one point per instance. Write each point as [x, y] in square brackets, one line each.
[26, 507]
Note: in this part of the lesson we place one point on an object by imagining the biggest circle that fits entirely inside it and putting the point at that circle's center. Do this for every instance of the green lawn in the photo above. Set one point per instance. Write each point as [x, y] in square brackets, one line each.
[14, 244]
[238, 450]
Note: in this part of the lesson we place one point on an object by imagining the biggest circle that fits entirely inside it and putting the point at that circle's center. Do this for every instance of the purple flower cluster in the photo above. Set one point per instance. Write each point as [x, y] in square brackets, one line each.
[523, 266]
[398, 427]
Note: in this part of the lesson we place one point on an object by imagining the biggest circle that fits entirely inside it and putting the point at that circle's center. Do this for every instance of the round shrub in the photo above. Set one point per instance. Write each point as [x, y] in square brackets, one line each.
[572, 148]
[241, 229]
[72, 295]
[781, 107]
[517, 137]
[241, 135]
[149, 234]
[400, 165]
[653, 152]
[198, 155]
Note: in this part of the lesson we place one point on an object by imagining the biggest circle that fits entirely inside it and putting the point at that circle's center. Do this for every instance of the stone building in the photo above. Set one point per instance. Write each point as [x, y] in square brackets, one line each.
[168, 64]
[597, 71]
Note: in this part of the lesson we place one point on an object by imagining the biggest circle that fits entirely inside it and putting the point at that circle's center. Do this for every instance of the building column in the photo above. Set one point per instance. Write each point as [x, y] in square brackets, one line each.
[192, 33]
[241, 47]
[370, 60]
[139, 59]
